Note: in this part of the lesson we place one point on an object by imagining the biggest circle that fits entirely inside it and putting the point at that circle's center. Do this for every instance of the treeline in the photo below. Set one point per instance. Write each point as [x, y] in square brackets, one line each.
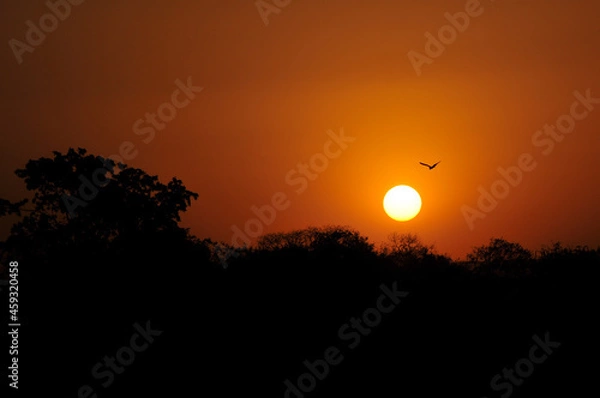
[395, 320]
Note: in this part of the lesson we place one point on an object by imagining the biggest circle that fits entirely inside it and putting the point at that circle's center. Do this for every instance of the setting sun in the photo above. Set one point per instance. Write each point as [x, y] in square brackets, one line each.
[402, 203]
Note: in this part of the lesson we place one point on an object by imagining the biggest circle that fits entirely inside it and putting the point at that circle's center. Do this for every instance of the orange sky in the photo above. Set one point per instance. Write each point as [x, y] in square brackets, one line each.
[271, 93]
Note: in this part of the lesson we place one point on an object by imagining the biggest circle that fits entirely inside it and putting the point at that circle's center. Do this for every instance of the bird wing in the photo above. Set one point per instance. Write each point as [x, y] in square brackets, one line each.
[425, 164]
[436, 163]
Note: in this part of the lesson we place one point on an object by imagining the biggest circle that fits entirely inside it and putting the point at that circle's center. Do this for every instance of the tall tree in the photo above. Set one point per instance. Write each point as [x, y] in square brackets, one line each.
[81, 200]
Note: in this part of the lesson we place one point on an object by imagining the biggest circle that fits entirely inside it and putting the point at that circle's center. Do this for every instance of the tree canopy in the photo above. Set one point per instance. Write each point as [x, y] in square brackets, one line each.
[85, 200]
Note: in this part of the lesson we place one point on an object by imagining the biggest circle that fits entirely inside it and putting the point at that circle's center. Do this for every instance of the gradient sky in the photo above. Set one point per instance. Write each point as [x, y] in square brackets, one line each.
[272, 92]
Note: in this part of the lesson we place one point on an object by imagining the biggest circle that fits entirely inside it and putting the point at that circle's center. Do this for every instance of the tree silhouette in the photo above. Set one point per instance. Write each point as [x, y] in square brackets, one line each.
[7, 208]
[501, 257]
[339, 239]
[124, 206]
[581, 259]
[406, 247]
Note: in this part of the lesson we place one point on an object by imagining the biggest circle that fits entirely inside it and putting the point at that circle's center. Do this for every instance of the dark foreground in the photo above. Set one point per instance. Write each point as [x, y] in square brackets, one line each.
[329, 317]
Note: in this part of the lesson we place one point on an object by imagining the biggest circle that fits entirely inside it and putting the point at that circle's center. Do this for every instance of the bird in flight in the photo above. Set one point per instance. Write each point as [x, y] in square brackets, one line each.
[430, 167]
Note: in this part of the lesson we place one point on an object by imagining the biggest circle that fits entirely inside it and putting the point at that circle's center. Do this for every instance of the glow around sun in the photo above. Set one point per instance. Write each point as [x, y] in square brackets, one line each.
[402, 203]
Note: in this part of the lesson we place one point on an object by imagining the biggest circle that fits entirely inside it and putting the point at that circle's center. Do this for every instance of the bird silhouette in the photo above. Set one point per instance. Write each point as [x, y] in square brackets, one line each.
[430, 167]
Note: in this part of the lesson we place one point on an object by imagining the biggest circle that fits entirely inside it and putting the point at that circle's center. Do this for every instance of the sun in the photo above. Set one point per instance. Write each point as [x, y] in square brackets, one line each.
[402, 203]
